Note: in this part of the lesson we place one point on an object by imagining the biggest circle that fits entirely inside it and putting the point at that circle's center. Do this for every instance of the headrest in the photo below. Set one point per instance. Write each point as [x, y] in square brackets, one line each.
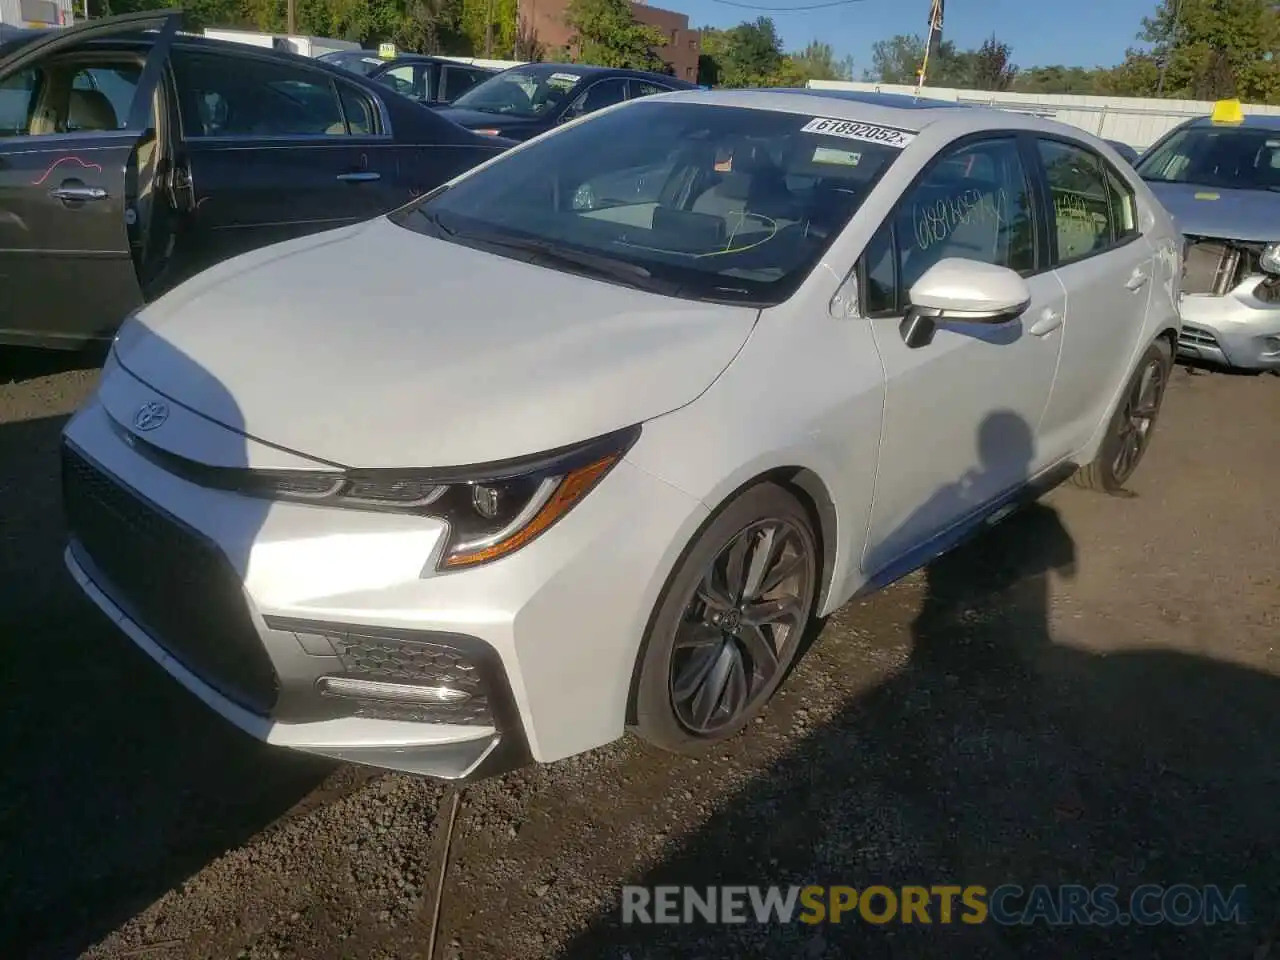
[91, 110]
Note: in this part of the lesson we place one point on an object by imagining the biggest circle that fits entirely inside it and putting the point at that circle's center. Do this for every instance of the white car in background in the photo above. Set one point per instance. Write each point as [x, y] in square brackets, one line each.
[605, 422]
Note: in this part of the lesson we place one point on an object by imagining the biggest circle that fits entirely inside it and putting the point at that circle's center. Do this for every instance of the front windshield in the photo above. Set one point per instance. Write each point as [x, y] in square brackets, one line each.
[1241, 158]
[357, 61]
[699, 201]
[528, 92]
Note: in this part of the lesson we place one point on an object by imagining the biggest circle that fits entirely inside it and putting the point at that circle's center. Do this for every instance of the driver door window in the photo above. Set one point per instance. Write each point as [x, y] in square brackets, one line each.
[66, 97]
[599, 95]
[974, 204]
[17, 93]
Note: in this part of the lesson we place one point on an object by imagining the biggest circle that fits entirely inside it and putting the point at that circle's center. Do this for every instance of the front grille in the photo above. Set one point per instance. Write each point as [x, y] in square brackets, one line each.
[170, 580]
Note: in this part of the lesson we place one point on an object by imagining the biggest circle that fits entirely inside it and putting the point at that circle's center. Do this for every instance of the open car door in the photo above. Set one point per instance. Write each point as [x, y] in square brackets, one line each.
[76, 115]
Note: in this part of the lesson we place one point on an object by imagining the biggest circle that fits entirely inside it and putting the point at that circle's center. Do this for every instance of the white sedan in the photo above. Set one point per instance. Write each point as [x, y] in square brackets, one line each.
[584, 440]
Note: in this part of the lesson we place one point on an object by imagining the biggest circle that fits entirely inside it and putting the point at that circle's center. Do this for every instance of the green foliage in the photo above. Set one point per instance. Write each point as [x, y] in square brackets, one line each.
[1190, 49]
[991, 66]
[605, 32]
[751, 55]
[1199, 49]
[818, 61]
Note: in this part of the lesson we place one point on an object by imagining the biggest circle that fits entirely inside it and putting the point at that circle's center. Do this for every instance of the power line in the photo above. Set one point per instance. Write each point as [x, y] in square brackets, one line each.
[772, 9]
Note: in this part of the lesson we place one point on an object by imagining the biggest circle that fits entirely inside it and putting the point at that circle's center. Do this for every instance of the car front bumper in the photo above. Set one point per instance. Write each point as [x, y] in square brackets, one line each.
[1236, 330]
[279, 616]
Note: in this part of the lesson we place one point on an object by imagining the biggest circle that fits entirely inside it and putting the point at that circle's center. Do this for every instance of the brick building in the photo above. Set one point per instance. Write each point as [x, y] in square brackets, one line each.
[680, 51]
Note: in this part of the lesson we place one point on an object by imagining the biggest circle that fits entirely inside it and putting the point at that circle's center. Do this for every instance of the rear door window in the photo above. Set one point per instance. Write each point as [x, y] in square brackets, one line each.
[1081, 198]
[458, 80]
[247, 97]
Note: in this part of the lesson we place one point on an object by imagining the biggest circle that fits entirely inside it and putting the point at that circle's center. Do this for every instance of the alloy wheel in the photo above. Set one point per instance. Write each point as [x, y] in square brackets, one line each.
[1141, 407]
[741, 626]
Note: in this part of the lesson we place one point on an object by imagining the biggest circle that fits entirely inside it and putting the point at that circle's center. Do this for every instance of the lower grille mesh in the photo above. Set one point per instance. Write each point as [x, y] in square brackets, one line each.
[173, 582]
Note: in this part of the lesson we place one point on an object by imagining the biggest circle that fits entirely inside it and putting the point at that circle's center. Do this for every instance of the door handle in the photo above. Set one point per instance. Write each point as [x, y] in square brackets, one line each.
[359, 176]
[1049, 321]
[81, 194]
[1137, 280]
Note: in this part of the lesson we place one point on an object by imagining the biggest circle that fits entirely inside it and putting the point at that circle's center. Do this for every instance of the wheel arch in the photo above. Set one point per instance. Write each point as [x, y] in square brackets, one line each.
[811, 492]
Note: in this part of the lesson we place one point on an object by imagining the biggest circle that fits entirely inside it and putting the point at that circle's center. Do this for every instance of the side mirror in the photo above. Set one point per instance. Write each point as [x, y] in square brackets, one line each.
[964, 291]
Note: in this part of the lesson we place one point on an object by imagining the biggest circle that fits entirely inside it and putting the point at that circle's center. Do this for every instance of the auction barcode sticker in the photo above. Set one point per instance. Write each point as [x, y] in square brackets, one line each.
[852, 130]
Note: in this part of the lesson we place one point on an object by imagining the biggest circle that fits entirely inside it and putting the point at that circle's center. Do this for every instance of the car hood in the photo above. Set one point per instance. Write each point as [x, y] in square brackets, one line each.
[374, 346]
[478, 119]
[1250, 215]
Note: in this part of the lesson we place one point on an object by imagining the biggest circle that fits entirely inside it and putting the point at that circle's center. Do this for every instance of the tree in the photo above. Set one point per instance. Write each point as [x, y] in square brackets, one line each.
[898, 60]
[605, 32]
[528, 46]
[818, 61]
[1207, 49]
[749, 55]
[992, 66]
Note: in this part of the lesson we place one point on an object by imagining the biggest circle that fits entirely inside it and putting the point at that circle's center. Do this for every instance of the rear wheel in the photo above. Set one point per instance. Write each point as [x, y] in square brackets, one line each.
[729, 623]
[1131, 428]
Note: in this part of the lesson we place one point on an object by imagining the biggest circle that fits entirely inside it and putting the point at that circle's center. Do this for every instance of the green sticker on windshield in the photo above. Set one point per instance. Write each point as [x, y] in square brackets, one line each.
[847, 158]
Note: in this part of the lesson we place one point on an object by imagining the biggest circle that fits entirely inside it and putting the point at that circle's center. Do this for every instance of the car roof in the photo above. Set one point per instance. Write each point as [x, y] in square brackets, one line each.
[592, 70]
[1261, 121]
[891, 109]
[899, 101]
[902, 111]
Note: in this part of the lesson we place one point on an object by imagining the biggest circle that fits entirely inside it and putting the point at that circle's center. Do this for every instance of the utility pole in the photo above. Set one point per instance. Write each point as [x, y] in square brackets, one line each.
[488, 29]
[1172, 42]
[934, 41]
[291, 16]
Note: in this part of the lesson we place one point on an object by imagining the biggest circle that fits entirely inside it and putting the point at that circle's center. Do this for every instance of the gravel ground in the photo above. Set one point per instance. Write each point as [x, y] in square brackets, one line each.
[1086, 694]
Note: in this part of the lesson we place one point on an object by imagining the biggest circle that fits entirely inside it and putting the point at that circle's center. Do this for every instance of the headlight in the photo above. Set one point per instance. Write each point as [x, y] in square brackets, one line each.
[1269, 260]
[491, 510]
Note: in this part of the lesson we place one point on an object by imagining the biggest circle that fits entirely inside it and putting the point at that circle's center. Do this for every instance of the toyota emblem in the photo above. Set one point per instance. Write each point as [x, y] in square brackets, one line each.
[150, 415]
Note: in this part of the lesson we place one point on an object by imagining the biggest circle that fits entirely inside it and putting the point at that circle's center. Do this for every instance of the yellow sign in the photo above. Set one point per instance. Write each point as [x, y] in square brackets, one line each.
[1208, 196]
[387, 51]
[1227, 111]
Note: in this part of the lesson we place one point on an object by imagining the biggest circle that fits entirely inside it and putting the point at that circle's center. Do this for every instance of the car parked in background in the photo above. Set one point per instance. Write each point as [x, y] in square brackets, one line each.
[1220, 178]
[1129, 154]
[429, 80]
[644, 396]
[132, 157]
[522, 102]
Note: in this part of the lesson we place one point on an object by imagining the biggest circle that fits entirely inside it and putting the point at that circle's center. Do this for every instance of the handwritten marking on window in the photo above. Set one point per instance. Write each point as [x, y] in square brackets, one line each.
[935, 222]
[1079, 225]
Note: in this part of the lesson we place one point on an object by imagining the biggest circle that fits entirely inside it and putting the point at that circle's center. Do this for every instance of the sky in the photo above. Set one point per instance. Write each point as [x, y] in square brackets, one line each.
[1084, 33]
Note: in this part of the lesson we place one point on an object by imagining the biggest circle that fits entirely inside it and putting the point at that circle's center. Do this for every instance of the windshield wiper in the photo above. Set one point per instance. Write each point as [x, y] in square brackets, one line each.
[549, 254]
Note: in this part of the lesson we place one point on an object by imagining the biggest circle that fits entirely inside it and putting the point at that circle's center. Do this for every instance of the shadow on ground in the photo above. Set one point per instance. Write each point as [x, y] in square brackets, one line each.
[18, 363]
[1001, 755]
[119, 785]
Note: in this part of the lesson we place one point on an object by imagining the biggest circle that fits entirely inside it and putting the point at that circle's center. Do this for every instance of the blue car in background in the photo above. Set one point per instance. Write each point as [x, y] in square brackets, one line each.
[522, 102]
[1219, 176]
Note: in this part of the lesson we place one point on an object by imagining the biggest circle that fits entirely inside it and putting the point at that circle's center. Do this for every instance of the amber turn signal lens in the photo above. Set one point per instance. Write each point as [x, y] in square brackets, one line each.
[575, 485]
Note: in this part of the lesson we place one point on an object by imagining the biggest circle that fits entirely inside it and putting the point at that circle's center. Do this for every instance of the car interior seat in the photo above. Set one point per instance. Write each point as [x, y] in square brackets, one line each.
[90, 110]
[754, 185]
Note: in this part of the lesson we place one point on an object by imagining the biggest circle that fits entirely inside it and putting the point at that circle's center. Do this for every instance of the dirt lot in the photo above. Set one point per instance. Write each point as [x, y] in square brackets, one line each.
[1090, 693]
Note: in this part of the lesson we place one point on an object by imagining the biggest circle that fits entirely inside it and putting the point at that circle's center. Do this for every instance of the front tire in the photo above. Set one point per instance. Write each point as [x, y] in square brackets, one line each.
[729, 624]
[1134, 422]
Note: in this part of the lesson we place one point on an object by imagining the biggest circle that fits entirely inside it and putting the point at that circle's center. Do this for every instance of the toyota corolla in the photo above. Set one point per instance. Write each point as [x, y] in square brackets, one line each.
[585, 439]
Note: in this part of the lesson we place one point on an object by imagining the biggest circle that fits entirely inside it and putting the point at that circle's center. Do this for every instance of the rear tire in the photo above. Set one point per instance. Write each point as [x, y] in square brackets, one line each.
[729, 623]
[1129, 432]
